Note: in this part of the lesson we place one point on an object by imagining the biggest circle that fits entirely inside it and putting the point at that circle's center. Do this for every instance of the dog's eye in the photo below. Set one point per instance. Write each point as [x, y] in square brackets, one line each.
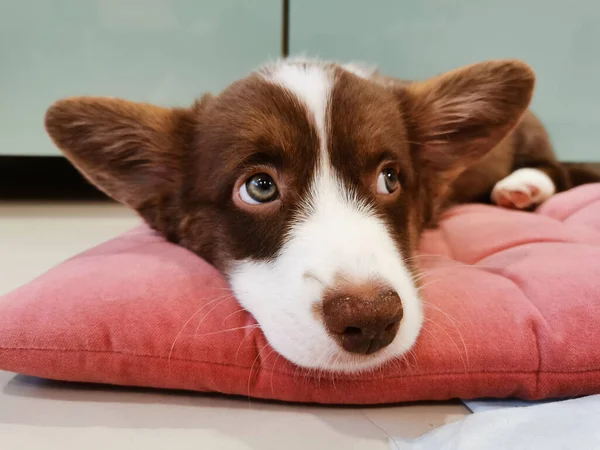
[387, 182]
[259, 188]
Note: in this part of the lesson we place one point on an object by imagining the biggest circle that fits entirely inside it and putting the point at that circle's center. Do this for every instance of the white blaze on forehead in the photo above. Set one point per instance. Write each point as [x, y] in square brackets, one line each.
[311, 83]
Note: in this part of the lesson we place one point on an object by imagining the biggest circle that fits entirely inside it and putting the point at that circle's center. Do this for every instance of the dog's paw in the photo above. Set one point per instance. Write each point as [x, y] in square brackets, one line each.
[523, 189]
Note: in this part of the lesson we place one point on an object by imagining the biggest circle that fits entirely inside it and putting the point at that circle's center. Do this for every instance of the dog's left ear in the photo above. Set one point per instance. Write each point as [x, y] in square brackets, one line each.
[457, 117]
[131, 151]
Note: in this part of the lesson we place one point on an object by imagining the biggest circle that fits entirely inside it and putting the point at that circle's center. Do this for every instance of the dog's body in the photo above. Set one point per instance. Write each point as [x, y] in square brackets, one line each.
[308, 184]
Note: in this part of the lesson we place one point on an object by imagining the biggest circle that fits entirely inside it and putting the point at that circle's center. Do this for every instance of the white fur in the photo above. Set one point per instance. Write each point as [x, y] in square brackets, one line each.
[360, 70]
[520, 181]
[310, 82]
[335, 234]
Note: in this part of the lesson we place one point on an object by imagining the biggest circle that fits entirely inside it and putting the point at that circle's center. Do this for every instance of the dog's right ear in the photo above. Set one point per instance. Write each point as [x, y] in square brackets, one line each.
[460, 115]
[131, 151]
[456, 118]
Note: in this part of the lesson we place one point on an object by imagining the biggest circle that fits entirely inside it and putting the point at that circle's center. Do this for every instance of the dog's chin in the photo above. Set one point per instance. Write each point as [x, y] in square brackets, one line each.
[323, 354]
[341, 361]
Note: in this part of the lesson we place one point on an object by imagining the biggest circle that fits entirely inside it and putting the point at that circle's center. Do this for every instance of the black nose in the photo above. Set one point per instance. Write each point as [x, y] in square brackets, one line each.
[363, 323]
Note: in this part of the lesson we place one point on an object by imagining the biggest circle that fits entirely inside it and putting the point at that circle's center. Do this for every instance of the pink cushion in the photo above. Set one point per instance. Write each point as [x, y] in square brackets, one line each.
[512, 307]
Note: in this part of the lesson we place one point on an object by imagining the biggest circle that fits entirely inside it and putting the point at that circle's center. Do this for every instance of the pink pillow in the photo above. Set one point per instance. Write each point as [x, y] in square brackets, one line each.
[512, 307]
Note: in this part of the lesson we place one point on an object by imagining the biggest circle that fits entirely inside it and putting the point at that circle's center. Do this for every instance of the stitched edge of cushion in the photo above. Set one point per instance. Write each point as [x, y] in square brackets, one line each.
[270, 369]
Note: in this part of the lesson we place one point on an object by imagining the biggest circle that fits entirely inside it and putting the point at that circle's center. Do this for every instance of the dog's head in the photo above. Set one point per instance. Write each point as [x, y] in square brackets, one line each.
[307, 183]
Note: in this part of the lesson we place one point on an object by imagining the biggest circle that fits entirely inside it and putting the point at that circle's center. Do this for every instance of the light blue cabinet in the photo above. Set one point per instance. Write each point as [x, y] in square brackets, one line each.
[170, 51]
[162, 51]
[420, 38]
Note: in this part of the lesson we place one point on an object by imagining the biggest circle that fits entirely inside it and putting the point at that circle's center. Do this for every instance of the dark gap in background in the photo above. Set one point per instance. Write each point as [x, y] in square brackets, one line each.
[285, 28]
[43, 178]
[54, 178]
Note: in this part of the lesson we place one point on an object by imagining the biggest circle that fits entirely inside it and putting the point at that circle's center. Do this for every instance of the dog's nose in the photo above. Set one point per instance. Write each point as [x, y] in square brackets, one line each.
[363, 323]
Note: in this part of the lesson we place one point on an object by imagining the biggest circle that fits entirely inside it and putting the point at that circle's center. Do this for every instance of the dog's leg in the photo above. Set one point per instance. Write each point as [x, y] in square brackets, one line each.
[537, 174]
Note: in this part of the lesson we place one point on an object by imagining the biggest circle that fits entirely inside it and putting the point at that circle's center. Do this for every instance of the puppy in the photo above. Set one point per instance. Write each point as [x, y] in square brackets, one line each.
[308, 183]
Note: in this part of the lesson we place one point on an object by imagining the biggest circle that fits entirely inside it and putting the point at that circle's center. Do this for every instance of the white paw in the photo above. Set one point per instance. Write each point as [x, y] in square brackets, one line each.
[523, 189]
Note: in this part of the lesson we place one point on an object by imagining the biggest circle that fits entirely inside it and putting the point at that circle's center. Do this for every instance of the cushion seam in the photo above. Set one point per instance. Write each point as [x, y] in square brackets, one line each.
[447, 243]
[520, 244]
[110, 352]
[572, 213]
[534, 325]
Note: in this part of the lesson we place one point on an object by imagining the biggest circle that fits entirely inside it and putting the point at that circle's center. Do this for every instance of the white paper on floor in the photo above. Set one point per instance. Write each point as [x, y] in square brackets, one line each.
[569, 424]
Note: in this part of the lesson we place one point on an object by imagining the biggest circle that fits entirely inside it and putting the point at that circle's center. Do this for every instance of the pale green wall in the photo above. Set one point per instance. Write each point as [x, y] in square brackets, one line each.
[420, 38]
[163, 51]
[169, 51]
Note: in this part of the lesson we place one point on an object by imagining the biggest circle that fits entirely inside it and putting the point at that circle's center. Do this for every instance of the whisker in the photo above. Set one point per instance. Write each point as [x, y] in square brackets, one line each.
[184, 327]
[246, 327]
[427, 255]
[412, 353]
[336, 359]
[456, 264]
[221, 288]
[437, 280]
[312, 276]
[273, 372]
[433, 336]
[233, 313]
[252, 368]
[222, 300]
[420, 276]
[453, 321]
[241, 343]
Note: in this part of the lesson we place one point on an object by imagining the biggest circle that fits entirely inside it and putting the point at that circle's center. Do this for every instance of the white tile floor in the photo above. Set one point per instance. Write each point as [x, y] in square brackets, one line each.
[43, 415]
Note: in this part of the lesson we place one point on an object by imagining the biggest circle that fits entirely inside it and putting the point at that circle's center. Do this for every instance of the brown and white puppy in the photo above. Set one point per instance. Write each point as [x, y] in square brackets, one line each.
[308, 184]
